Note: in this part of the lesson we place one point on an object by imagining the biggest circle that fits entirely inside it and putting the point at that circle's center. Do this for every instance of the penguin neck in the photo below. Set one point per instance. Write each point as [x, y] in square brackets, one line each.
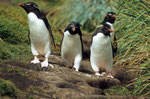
[106, 32]
[71, 31]
[37, 13]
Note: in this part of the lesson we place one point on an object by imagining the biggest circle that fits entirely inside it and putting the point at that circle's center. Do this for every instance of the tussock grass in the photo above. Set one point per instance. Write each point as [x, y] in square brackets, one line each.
[88, 13]
[8, 88]
[132, 28]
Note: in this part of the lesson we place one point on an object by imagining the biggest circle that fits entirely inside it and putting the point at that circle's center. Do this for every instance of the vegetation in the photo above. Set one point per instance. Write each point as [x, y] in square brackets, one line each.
[133, 29]
[88, 12]
[8, 88]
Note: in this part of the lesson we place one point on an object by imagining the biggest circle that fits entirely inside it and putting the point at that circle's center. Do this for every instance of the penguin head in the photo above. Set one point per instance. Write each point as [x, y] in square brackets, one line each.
[73, 27]
[110, 17]
[106, 29]
[29, 6]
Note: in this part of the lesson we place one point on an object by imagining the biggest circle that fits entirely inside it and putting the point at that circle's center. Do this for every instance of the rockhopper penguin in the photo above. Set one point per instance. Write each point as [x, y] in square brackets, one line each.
[71, 47]
[101, 50]
[39, 33]
[110, 19]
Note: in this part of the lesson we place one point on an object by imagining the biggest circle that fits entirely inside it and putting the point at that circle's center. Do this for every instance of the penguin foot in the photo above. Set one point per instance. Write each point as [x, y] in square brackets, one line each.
[109, 75]
[51, 65]
[98, 74]
[44, 64]
[75, 69]
[35, 61]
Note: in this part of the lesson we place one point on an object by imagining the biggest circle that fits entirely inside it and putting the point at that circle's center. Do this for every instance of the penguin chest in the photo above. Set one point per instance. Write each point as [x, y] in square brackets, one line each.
[39, 33]
[71, 46]
[101, 50]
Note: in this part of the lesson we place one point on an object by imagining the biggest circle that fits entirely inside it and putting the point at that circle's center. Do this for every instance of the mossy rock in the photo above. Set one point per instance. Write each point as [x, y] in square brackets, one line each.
[7, 88]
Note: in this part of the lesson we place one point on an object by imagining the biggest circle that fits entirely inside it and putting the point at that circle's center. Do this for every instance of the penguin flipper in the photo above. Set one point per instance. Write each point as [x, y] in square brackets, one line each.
[114, 46]
[49, 29]
[29, 36]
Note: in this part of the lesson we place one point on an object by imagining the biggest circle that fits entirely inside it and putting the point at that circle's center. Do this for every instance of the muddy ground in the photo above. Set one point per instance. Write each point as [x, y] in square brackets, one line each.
[60, 82]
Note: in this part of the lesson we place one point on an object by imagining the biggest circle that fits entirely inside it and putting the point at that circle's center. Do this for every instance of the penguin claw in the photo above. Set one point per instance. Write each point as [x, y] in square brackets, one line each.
[51, 65]
[75, 69]
[35, 61]
[98, 74]
[110, 76]
[44, 64]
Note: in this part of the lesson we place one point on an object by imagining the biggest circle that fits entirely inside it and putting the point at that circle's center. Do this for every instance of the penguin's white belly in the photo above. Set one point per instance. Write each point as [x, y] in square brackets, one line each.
[39, 34]
[101, 51]
[71, 47]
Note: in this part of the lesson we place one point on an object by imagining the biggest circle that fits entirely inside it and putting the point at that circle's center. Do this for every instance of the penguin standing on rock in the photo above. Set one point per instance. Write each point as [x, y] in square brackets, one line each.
[72, 48]
[39, 33]
[101, 50]
[110, 19]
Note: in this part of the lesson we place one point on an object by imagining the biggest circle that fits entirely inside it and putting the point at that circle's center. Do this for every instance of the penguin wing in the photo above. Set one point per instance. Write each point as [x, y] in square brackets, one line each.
[29, 35]
[80, 33]
[49, 28]
[114, 46]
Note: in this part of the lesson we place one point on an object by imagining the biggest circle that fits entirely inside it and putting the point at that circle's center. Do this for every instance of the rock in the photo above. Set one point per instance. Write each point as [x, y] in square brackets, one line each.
[86, 44]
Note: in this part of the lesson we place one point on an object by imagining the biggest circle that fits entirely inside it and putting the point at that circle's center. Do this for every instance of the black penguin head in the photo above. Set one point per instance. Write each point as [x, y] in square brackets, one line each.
[29, 7]
[73, 28]
[110, 17]
[106, 29]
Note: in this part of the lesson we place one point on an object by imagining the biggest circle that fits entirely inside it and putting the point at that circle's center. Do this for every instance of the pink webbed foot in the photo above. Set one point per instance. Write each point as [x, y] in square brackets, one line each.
[35, 61]
[44, 64]
[98, 74]
[109, 75]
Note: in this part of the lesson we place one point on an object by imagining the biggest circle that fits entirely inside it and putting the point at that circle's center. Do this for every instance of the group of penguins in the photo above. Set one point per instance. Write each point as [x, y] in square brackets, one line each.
[40, 36]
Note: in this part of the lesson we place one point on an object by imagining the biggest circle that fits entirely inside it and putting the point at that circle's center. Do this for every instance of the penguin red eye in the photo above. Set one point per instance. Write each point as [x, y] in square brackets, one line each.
[29, 6]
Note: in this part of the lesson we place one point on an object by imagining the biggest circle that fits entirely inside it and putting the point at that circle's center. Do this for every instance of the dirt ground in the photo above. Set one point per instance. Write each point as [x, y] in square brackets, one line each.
[59, 82]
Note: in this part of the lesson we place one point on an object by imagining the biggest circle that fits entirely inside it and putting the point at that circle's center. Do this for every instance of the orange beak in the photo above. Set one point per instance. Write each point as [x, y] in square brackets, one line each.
[111, 30]
[74, 28]
[114, 16]
[21, 4]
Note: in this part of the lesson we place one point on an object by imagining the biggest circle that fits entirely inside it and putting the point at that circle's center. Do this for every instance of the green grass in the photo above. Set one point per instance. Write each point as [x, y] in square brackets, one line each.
[10, 51]
[117, 90]
[132, 28]
[8, 88]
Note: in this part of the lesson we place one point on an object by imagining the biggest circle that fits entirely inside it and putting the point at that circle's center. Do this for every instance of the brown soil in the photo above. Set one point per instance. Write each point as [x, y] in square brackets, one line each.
[60, 82]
